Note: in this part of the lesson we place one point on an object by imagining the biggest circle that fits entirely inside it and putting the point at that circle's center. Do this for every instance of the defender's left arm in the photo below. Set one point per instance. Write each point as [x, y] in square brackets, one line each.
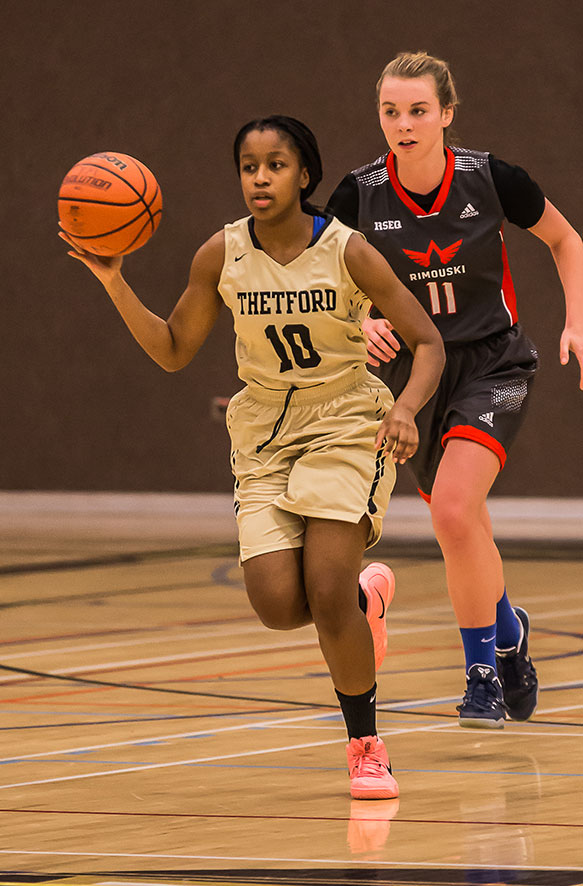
[567, 251]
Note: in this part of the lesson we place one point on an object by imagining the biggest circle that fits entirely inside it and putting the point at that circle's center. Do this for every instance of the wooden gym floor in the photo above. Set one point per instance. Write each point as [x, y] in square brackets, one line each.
[153, 731]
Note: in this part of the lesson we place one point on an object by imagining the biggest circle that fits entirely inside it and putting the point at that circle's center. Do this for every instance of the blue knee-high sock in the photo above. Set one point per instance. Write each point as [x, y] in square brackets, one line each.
[479, 646]
[507, 624]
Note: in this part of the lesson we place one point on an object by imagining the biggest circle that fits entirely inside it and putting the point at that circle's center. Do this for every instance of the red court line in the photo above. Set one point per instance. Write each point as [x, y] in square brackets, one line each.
[19, 641]
[243, 671]
[146, 683]
[144, 666]
[41, 698]
[198, 815]
[237, 673]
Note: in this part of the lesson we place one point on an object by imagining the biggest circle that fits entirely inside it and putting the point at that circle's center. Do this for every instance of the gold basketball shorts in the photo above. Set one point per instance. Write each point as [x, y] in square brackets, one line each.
[308, 452]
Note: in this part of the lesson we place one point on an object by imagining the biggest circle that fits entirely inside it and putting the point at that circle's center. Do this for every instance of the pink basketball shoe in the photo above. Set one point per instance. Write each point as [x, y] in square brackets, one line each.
[370, 771]
[378, 583]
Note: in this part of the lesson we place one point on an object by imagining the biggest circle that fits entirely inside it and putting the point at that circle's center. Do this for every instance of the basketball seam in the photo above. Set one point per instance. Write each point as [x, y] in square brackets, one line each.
[113, 230]
[99, 202]
[143, 194]
[141, 171]
[137, 237]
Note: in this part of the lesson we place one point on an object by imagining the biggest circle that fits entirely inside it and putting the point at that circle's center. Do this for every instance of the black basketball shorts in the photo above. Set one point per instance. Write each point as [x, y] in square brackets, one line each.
[482, 396]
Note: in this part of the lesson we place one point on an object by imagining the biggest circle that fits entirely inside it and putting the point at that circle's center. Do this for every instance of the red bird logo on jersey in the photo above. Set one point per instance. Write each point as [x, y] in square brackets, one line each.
[423, 258]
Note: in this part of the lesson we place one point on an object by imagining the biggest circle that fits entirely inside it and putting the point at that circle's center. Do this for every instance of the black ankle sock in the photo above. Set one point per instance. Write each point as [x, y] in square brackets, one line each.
[362, 600]
[359, 712]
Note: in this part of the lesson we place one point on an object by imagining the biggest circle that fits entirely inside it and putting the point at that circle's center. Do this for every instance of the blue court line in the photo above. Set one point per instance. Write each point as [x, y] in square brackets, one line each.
[400, 770]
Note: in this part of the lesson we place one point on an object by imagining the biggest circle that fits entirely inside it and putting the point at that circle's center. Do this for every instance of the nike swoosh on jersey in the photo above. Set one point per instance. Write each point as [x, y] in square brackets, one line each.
[239, 257]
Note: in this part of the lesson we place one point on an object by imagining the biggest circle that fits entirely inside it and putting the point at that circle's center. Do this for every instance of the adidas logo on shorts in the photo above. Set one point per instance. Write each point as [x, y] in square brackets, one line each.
[469, 211]
[488, 417]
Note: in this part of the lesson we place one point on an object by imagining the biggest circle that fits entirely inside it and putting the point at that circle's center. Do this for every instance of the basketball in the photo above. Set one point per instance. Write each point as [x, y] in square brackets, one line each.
[110, 204]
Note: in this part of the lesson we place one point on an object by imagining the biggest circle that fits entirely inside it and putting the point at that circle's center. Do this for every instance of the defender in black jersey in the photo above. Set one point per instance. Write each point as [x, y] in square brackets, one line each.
[447, 247]
[437, 213]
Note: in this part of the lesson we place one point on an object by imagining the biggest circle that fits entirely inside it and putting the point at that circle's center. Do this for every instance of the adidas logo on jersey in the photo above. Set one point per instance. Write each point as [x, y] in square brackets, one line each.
[488, 417]
[469, 211]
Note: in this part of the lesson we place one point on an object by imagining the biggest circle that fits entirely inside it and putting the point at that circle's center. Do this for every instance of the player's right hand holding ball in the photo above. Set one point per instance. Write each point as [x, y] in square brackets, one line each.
[105, 268]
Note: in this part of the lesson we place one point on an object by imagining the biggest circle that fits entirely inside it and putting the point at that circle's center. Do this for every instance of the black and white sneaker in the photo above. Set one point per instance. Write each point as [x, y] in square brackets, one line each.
[518, 675]
[482, 706]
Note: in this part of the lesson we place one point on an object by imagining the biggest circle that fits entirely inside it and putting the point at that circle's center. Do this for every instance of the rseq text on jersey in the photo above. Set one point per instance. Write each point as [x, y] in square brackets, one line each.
[306, 301]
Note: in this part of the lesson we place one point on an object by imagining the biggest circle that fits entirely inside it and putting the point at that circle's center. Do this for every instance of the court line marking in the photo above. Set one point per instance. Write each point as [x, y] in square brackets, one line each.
[241, 629]
[262, 724]
[194, 655]
[267, 817]
[143, 641]
[571, 707]
[514, 733]
[387, 864]
[455, 730]
[168, 659]
[173, 763]
[152, 629]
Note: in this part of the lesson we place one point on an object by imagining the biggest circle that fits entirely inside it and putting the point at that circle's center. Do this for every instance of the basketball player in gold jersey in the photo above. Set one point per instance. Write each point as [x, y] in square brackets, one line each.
[314, 435]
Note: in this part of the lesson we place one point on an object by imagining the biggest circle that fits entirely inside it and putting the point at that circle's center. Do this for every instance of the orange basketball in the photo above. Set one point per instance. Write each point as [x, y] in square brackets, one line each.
[110, 204]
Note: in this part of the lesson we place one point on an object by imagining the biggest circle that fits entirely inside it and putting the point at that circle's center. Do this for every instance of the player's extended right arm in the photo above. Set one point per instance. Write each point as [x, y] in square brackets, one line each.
[171, 343]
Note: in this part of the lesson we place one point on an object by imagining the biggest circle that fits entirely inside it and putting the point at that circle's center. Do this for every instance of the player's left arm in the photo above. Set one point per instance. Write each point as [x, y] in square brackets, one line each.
[567, 251]
[374, 276]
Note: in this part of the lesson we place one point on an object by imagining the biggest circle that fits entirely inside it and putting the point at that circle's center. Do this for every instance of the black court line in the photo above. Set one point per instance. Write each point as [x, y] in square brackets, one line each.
[369, 876]
[86, 680]
[510, 549]
[228, 697]
[376, 877]
[160, 719]
[273, 817]
[402, 549]
[96, 595]
[212, 551]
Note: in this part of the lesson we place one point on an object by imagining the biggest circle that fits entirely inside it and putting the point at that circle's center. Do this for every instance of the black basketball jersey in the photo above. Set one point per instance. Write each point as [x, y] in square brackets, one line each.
[452, 257]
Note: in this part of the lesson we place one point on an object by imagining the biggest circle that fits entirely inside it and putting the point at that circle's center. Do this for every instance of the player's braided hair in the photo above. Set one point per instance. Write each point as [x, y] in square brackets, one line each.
[417, 64]
[303, 140]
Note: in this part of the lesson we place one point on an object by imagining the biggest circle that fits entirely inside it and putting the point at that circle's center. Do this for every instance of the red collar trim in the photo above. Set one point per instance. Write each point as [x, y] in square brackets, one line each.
[443, 191]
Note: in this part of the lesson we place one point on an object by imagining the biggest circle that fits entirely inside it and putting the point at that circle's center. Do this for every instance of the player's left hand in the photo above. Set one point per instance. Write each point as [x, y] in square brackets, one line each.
[399, 432]
[572, 340]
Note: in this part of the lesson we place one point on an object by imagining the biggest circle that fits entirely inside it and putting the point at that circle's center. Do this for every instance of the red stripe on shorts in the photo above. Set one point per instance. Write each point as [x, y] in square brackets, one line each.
[467, 432]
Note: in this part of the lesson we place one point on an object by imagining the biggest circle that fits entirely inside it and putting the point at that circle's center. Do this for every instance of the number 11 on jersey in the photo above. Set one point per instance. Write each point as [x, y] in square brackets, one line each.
[434, 296]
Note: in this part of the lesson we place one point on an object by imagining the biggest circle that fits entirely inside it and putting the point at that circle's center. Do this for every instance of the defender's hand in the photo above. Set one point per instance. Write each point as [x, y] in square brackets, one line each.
[380, 341]
[572, 340]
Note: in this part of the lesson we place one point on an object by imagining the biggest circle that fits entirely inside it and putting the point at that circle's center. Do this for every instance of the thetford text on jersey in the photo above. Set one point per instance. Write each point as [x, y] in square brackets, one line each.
[306, 301]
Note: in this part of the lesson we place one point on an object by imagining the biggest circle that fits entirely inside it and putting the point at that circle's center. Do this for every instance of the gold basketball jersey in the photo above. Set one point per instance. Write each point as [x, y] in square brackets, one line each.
[296, 324]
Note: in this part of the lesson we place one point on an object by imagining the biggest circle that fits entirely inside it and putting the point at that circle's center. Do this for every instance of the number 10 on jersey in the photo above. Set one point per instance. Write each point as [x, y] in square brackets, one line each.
[298, 338]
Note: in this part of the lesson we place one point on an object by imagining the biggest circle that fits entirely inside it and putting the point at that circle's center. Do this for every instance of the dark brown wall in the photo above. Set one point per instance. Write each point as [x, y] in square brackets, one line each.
[170, 81]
